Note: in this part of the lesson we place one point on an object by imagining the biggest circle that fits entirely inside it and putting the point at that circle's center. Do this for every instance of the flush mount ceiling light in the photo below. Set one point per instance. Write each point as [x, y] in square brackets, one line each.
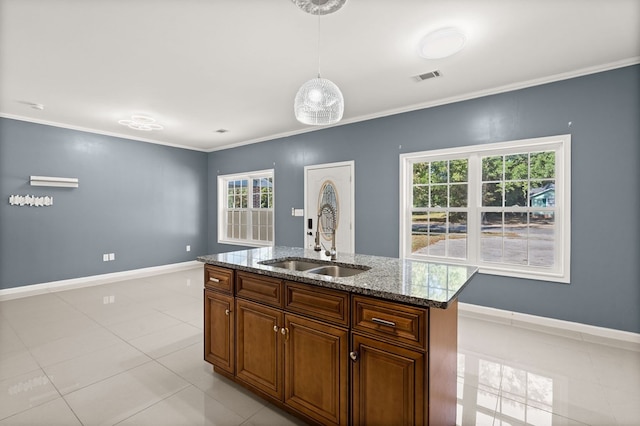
[442, 43]
[34, 105]
[319, 101]
[141, 122]
[319, 7]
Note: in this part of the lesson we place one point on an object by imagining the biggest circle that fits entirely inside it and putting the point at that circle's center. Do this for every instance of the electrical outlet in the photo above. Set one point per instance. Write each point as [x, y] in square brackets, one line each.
[105, 257]
[112, 256]
[188, 248]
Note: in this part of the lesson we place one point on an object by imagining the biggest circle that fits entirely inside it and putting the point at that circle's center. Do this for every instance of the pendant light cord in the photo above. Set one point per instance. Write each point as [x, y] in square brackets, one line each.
[318, 9]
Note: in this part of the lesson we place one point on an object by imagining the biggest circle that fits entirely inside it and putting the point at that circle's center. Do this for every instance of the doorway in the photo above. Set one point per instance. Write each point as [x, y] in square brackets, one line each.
[330, 184]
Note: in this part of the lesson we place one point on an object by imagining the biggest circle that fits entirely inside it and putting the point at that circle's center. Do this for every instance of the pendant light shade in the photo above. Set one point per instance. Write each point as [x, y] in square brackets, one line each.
[319, 102]
[319, 7]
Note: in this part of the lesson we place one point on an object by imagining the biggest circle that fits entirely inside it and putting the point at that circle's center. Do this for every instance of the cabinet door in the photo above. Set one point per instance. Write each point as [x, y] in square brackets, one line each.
[316, 369]
[259, 347]
[387, 384]
[219, 330]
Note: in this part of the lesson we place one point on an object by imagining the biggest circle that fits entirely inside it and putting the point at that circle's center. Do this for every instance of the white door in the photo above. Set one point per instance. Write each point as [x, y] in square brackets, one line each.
[330, 184]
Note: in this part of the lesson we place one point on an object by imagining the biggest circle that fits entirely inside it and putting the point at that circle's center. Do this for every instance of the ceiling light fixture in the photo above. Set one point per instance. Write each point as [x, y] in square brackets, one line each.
[34, 105]
[442, 43]
[319, 7]
[141, 122]
[319, 101]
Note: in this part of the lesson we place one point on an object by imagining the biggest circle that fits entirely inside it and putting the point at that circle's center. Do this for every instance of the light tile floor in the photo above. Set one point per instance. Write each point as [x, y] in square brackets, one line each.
[130, 353]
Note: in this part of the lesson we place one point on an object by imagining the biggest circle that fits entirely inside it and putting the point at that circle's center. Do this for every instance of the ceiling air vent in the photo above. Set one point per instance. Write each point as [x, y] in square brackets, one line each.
[428, 75]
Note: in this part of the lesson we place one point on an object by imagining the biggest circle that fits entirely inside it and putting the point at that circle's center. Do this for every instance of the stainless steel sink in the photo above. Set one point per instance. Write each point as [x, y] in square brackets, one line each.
[313, 266]
[294, 265]
[336, 271]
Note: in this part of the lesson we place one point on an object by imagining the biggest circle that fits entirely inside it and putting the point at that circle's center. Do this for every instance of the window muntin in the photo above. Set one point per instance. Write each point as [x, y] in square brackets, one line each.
[504, 207]
[246, 208]
[518, 209]
[439, 208]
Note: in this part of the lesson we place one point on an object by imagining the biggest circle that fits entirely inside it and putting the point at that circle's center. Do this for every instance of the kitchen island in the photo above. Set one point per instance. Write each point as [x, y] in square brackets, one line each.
[376, 346]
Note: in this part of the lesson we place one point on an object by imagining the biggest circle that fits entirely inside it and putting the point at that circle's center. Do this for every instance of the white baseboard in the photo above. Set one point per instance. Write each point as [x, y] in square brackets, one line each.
[35, 289]
[574, 330]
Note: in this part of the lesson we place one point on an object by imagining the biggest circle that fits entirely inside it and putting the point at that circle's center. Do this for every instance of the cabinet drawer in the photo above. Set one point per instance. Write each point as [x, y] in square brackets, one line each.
[259, 288]
[399, 322]
[319, 303]
[216, 278]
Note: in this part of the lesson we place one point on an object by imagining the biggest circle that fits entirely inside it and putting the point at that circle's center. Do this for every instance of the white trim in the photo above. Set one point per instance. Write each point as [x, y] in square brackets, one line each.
[93, 280]
[222, 202]
[98, 132]
[453, 99]
[560, 144]
[415, 107]
[568, 329]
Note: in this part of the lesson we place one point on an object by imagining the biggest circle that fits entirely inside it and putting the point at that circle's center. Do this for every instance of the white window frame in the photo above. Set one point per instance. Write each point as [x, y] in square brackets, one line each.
[561, 144]
[222, 209]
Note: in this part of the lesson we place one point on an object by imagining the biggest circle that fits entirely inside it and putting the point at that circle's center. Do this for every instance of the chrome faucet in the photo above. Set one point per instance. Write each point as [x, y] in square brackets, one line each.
[317, 247]
[327, 209]
[333, 253]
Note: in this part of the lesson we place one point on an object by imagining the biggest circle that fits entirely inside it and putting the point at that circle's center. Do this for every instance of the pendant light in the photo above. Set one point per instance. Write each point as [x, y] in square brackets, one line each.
[319, 101]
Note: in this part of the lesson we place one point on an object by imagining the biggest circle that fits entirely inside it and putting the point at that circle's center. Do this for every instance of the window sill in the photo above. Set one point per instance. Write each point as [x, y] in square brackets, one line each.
[540, 276]
[245, 243]
[504, 272]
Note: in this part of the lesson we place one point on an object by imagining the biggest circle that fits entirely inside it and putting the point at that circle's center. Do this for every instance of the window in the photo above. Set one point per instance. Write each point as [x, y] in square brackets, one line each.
[245, 208]
[504, 207]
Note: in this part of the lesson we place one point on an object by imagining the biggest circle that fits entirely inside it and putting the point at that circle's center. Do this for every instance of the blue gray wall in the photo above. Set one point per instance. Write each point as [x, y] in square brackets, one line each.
[146, 202]
[141, 201]
[604, 110]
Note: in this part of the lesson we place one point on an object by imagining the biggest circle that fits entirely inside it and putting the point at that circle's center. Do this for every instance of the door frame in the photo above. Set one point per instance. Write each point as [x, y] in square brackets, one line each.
[352, 222]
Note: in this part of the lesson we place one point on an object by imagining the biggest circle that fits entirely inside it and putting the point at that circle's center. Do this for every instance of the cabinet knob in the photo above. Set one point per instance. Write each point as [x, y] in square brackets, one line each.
[226, 312]
[275, 328]
[285, 333]
[353, 356]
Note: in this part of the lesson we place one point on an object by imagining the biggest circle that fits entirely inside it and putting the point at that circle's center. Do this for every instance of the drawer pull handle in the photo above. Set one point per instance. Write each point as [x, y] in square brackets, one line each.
[226, 312]
[353, 356]
[383, 322]
[215, 280]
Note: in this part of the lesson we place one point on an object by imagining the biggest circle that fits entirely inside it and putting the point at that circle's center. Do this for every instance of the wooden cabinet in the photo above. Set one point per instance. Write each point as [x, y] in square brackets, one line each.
[219, 330]
[299, 361]
[387, 383]
[219, 320]
[218, 279]
[405, 360]
[259, 347]
[317, 369]
[331, 357]
[388, 349]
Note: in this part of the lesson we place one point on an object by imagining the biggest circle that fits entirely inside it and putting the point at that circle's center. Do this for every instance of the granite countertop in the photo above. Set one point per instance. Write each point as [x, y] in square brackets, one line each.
[409, 281]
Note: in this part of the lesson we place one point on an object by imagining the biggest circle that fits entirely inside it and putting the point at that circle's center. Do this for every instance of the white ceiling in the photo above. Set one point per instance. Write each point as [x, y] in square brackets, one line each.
[202, 65]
